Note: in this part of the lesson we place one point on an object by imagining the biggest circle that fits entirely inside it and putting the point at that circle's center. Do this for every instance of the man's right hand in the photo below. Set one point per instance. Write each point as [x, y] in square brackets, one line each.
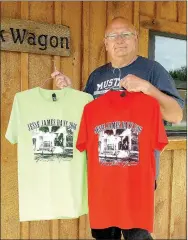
[61, 80]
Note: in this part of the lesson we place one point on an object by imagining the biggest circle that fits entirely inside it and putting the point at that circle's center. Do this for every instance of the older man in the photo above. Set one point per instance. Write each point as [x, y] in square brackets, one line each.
[136, 74]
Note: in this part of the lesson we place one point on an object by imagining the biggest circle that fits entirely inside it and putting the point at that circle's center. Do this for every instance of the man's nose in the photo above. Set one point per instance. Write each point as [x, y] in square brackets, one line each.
[119, 38]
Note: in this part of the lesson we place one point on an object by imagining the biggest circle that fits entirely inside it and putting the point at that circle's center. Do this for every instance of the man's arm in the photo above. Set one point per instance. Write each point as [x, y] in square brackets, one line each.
[162, 88]
[170, 109]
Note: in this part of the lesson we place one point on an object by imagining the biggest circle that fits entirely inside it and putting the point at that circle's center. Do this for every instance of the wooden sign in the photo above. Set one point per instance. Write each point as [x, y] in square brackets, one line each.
[34, 37]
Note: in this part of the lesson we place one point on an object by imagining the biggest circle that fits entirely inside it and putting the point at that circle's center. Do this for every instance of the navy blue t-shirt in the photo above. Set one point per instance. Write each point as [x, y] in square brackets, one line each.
[106, 77]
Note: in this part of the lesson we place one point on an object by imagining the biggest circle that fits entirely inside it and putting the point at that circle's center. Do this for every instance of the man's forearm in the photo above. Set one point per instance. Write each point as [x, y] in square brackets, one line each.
[170, 109]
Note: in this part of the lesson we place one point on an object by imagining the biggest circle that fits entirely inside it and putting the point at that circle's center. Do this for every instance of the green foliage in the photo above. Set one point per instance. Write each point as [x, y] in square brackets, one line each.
[55, 128]
[179, 74]
[180, 77]
[44, 129]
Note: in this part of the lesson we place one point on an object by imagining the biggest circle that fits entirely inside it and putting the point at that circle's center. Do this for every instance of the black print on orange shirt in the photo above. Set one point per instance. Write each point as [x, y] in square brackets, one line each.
[118, 143]
[52, 139]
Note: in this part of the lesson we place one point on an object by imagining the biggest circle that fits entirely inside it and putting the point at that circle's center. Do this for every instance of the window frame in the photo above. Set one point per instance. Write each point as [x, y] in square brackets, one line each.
[147, 25]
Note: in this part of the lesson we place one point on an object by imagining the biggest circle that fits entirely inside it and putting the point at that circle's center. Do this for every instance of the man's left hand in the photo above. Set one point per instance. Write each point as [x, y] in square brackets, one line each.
[133, 83]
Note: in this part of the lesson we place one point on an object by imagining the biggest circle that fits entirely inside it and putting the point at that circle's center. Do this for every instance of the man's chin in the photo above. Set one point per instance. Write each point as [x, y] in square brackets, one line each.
[121, 54]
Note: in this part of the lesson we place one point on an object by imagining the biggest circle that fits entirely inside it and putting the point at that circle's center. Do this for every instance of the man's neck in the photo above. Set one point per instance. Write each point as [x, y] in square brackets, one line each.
[123, 62]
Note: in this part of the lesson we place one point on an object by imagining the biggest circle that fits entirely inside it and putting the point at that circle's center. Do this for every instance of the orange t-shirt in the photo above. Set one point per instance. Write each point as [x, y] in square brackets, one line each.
[120, 135]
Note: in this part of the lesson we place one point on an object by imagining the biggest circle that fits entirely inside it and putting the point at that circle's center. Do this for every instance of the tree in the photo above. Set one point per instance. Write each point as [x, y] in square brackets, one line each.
[119, 131]
[44, 129]
[108, 132]
[180, 77]
[55, 128]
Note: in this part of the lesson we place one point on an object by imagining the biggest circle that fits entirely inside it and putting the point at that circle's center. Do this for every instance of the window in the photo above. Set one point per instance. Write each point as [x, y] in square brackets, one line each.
[170, 51]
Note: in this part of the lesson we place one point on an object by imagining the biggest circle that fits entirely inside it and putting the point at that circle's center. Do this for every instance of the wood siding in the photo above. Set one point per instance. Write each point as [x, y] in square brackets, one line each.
[21, 71]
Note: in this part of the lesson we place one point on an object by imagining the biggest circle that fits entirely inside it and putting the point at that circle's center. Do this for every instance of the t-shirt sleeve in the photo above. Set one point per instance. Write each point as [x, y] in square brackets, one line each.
[90, 98]
[12, 129]
[165, 83]
[159, 137]
[82, 134]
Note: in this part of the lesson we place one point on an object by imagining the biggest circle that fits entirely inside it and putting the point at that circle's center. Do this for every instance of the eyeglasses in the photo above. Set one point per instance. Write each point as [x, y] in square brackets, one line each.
[126, 35]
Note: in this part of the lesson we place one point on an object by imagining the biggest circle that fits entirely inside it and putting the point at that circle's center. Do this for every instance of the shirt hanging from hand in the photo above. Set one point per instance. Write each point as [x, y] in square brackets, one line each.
[120, 135]
[51, 171]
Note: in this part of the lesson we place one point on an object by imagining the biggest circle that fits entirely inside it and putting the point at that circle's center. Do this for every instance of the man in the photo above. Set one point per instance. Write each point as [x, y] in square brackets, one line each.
[136, 74]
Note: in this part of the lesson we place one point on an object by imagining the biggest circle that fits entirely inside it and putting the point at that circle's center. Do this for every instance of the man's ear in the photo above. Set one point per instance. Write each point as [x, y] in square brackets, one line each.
[105, 43]
[137, 38]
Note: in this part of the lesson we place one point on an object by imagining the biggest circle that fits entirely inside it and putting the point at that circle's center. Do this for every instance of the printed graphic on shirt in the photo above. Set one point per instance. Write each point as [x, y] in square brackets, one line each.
[52, 139]
[118, 143]
[105, 86]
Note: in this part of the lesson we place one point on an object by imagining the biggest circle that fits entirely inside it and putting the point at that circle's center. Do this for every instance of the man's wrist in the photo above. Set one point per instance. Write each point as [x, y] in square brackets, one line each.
[155, 93]
[149, 89]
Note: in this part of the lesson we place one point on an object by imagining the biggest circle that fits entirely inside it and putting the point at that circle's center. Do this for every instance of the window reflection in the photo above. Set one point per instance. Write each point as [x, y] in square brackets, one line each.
[170, 51]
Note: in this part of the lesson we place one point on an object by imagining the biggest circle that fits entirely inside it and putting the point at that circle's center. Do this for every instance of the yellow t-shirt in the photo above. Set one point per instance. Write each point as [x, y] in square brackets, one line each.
[52, 179]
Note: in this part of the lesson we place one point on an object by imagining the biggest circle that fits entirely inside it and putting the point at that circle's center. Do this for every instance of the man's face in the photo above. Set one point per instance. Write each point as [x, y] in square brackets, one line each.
[120, 40]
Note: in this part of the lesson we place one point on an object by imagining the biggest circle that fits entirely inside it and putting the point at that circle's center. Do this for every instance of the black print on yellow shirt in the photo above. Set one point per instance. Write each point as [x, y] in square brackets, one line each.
[52, 139]
[118, 143]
